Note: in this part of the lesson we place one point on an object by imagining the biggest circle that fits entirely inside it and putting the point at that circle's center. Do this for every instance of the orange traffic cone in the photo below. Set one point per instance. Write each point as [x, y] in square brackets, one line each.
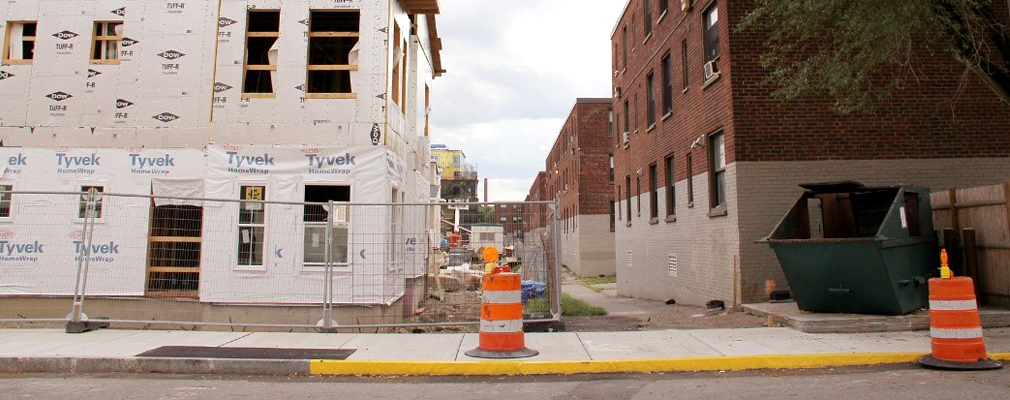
[501, 319]
[955, 327]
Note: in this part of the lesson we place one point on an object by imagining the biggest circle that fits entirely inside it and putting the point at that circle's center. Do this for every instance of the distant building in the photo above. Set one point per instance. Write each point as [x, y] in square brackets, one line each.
[579, 176]
[707, 161]
[459, 179]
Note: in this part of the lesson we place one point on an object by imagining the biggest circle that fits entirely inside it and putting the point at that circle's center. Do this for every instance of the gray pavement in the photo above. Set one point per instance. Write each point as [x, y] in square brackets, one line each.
[561, 346]
[895, 383]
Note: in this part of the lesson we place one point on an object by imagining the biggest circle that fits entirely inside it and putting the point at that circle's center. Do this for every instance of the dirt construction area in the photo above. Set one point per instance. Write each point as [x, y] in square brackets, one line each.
[630, 314]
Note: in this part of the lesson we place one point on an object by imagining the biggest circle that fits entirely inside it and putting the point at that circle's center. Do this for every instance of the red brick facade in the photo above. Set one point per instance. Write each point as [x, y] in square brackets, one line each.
[944, 113]
[578, 166]
[940, 129]
[538, 192]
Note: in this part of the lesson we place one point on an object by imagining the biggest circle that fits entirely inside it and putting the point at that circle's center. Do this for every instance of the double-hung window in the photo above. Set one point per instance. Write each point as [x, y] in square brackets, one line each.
[717, 168]
[711, 16]
[19, 45]
[260, 64]
[667, 83]
[105, 42]
[650, 99]
[647, 17]
[671, 186]
[251, 225]
[333, 53]
[653, 192]
[5, 200]
[88, 193]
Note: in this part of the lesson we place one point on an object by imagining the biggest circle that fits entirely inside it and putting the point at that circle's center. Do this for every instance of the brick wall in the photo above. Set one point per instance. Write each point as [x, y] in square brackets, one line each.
[944, 112]
[578, 165]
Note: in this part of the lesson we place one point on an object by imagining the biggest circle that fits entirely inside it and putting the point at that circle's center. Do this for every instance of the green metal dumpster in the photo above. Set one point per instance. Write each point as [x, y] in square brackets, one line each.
[848, 248]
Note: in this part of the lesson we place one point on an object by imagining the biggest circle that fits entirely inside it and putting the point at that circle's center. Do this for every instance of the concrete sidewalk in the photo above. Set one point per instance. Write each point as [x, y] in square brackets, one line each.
[109, 350]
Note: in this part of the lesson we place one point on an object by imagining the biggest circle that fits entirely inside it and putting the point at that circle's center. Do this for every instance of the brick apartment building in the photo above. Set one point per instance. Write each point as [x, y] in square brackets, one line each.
[579, 175]
[707, 161]
[537, 219]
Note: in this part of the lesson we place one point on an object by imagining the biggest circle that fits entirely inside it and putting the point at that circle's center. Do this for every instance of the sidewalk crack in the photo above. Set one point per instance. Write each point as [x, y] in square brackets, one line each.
[706, 344]
[584, 346]
[236, 339]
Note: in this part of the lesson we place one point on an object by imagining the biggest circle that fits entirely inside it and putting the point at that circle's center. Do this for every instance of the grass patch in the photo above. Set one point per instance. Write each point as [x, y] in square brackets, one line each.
[599, 281]
[570, 306]
[591, 282]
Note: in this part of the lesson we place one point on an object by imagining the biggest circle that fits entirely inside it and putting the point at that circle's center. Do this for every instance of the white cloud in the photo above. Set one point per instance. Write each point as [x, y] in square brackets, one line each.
[514, 72]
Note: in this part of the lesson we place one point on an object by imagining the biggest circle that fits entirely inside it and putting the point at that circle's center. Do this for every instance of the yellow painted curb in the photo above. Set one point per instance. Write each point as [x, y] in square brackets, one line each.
[741, 363]
[1000, 356]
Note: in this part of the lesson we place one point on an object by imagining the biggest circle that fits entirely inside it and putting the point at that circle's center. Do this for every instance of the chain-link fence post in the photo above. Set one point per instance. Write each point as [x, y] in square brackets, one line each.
[327, 323]
[78, 319]
[555, 274]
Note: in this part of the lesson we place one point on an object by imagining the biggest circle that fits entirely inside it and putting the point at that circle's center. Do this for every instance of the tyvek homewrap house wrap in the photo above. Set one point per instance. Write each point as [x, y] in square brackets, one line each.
[176, 90]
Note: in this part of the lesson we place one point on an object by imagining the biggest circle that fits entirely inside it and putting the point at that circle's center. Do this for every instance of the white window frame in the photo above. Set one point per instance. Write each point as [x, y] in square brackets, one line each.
[100, 218]
[263, 225]
[10, 202]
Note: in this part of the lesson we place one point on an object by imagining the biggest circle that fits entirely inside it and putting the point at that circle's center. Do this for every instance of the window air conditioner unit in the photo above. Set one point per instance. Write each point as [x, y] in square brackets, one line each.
[625, 138]
[711, 69]
[685, 5]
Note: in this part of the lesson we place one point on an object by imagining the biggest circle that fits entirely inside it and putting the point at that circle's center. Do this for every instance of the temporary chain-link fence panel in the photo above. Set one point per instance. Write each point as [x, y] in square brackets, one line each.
[140, 261]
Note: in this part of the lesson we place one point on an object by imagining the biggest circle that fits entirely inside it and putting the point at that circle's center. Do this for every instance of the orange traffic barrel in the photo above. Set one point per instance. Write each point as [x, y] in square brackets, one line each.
[955, 327]
[501, 319]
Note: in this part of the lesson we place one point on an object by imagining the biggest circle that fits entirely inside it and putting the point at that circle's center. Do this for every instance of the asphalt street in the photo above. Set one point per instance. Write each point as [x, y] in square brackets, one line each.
[894, 383]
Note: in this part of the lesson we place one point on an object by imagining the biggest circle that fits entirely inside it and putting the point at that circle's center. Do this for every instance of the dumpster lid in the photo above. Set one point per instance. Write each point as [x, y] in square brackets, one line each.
[840, 187]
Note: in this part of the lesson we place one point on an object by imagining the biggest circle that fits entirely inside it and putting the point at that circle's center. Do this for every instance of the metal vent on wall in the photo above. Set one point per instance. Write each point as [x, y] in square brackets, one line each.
[630, 264]
[671, 264]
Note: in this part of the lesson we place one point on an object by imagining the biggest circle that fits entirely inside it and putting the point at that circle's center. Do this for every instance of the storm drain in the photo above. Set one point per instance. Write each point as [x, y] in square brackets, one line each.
[247, 353]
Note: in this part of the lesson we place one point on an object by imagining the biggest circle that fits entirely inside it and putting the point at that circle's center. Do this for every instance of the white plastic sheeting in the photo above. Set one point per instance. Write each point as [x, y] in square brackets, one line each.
[217, 172]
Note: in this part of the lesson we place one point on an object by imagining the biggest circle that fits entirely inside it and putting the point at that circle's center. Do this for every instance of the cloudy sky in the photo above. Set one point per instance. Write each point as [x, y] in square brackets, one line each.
[514, 71]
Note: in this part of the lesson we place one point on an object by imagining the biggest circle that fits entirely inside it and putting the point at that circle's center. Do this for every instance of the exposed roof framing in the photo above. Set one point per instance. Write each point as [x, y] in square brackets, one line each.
[428, 7]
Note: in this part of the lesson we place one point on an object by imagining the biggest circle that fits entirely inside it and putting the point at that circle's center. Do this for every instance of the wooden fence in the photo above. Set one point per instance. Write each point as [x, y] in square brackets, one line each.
[974, 227]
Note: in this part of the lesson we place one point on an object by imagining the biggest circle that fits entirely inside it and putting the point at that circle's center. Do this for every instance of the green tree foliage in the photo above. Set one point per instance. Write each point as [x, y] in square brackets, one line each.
[486, 214]
[859, 51]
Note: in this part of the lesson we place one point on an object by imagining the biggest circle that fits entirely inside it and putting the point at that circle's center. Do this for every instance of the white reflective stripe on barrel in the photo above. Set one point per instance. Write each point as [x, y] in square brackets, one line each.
[953, 305]
[944, 333]
[503, 297]
[512, 325]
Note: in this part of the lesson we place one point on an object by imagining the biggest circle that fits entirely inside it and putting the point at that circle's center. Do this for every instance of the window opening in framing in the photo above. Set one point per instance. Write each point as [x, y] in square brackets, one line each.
[173, 255]
[333, 53]
[19, 45]
[316, 217]
[260, 67]
[397, 61]
[105, 43]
